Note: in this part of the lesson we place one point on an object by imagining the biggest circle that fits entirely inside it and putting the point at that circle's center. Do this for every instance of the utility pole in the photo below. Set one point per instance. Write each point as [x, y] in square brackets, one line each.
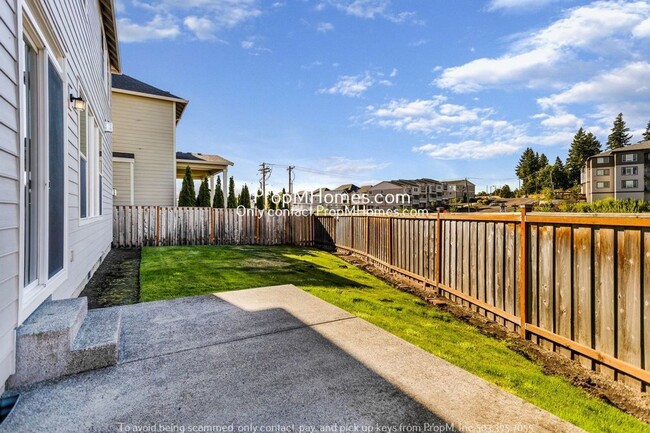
[467, 195]
[291, 179]
[265, 173]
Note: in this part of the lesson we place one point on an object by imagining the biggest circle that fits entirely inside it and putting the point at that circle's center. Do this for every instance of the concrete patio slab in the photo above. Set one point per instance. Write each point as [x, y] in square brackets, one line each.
[269, 360]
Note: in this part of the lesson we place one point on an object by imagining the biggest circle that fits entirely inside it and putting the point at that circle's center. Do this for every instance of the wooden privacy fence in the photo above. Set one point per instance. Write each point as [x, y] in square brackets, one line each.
[576, 284]
[137, 226]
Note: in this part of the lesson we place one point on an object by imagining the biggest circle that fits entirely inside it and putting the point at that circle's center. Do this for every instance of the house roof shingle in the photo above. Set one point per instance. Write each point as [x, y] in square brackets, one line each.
[130, 84]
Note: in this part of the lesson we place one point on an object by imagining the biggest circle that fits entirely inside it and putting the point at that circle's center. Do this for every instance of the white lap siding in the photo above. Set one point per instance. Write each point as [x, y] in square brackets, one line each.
[9, 187]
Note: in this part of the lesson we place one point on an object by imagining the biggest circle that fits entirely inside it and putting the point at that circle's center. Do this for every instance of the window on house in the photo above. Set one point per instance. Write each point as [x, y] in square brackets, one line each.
[602, 172]
[629, 157]
[602, 185]
[83, 163]
[629, 171]
[90, 166]
[602, 160]
[627, 184]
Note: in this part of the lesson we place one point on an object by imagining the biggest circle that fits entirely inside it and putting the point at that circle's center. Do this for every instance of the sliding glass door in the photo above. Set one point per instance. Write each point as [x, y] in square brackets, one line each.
[56, 158]
[44, 167]
[31, 165]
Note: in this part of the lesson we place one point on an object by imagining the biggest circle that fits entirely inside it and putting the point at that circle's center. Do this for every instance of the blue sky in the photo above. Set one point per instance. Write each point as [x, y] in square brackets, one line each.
[367, 90]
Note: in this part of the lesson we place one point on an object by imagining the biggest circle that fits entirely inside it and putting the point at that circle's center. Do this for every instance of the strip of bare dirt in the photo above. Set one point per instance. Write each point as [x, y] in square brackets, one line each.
[617, 394]
[116, 281]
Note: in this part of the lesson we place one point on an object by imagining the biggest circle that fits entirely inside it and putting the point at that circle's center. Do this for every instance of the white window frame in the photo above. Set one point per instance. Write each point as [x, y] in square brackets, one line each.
[602, 172]
[624, 157]
[94, 148]
[602, 160]
[635, 184]
[634, 171]
[33, 27]
[602, 185]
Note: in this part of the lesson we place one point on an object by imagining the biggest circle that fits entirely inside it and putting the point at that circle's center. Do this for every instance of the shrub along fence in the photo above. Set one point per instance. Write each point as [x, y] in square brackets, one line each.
[574, 283]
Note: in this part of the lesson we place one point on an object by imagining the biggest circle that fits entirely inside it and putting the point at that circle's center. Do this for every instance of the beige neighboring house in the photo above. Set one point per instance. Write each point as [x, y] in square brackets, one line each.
[146, 162]
[620, 174]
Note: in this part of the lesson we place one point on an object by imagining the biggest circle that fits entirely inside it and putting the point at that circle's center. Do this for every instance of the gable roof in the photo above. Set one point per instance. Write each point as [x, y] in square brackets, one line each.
[347, 187]
[128, 84]
[107, 11]
[202, 157]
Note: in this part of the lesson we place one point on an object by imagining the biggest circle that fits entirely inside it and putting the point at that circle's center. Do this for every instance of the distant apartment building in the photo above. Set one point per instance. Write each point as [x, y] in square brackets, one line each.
[620, 173]
[461, 189]
[417, 193]
[423, 193]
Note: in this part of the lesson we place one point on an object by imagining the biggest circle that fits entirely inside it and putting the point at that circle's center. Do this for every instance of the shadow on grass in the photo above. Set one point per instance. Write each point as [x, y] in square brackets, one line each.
[172, 272]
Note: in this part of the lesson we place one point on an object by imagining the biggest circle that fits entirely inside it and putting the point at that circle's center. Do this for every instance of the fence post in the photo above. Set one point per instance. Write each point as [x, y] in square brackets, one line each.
[351, 219]
[390, 241]
[211, 228]
[438, 250]
[157, 226]
[523, 271]
[367, 237]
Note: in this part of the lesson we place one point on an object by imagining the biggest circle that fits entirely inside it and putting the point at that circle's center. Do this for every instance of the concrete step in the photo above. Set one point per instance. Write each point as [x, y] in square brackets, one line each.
[43, 341]
[97, 342]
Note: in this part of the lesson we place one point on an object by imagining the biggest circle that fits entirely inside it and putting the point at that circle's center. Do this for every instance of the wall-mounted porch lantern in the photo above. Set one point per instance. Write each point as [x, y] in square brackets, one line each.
[77, 103]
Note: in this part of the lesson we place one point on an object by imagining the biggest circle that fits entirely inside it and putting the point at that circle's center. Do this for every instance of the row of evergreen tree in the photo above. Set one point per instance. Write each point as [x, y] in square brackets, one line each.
[188, 196]
[536, 173]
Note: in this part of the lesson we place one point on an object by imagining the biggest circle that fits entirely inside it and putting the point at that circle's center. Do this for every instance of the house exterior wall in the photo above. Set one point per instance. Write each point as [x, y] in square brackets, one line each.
[146, 127]
[122, 183]
[9, 187]
[75, 30]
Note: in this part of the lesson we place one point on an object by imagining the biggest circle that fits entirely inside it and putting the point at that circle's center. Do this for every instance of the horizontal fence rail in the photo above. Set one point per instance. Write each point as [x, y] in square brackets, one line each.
[573, 283]
[138, 226]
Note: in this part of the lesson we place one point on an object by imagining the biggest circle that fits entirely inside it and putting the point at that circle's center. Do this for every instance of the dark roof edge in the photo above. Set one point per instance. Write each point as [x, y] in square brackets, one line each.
[107, 11]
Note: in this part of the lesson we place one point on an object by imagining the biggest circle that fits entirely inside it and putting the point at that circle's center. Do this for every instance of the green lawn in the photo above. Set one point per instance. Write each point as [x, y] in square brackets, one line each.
[172, 272]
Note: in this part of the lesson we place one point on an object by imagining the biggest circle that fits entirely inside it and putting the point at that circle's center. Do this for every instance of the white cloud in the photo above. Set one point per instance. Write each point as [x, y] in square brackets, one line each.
[544, 57]
[418, 43]
[350, 85]
[423, 115]
[561, 120]
[158, 28]
[203, 18]
[356, 85]
[642, 30]
[470, 149]
[202, 27]
[517, 4]
[312, 65]
[325, 27]
[250, 44]
[344, 165]
[630, 82]
[371, 9]
[119, 6]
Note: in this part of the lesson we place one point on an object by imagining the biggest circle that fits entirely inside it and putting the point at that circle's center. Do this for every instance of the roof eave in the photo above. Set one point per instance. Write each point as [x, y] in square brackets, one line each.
[107, 8]
[201, 162]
